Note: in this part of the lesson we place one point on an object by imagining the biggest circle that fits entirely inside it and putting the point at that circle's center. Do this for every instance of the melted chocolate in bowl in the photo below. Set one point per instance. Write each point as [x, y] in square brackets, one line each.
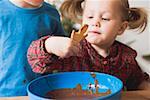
[77, 92]
[74, 93]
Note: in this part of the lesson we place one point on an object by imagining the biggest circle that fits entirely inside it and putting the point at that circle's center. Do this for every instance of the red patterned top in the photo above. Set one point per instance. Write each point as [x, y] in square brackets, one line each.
[120, 63]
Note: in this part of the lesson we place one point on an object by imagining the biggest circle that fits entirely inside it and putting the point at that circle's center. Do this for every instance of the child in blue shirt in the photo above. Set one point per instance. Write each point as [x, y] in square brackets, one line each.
[21, 22]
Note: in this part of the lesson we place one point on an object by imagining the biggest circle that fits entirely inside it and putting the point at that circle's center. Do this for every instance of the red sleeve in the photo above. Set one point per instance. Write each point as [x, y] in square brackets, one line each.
[136, 75]
[37, 56]
[43, 62]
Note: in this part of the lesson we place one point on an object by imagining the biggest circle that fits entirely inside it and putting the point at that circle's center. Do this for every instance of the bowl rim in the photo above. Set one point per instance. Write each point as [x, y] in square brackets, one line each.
[59, 73]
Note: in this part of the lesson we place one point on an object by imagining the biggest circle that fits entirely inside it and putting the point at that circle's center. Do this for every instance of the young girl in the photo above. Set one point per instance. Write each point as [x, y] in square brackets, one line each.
[100, 51]
[22, 21]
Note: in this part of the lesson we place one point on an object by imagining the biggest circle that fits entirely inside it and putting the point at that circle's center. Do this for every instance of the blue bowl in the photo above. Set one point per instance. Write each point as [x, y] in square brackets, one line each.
[38, 88]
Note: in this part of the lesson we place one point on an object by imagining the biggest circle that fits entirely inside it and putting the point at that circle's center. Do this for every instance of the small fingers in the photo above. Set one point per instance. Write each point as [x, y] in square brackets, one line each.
[83, 29]
[72, 33]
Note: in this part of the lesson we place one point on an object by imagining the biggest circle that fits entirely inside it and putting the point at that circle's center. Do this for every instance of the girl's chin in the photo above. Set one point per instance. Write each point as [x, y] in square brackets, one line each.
[91, 41]
[92, 38]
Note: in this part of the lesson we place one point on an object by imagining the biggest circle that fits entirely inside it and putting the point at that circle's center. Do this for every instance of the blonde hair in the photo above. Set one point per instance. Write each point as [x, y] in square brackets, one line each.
[72, 9]
[137, 17]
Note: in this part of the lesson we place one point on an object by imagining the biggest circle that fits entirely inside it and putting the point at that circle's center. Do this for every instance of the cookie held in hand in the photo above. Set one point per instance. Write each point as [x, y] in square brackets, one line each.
[80, 35]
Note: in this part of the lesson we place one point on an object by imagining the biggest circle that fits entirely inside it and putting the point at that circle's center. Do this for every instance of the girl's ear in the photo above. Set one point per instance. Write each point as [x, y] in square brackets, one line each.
[123, 27]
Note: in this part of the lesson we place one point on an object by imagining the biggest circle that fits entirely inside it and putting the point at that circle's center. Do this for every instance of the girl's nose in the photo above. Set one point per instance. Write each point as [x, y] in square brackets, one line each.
[96, 23]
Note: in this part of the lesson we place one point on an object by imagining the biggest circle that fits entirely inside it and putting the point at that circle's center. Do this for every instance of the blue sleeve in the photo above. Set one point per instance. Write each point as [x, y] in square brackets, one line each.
[56, 25]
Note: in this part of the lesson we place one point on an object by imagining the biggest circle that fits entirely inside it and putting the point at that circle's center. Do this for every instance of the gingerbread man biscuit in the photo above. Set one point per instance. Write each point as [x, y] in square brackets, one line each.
[81, 34]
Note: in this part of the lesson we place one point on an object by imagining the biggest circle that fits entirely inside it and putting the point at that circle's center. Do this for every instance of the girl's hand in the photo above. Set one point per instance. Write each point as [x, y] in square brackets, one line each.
[63, 47]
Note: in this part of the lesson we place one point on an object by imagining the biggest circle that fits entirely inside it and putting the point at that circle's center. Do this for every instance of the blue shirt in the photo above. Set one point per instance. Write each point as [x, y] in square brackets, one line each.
[18, 28]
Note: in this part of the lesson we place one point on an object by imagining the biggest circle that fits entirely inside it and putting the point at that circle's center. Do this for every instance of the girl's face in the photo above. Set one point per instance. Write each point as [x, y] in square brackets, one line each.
[104, 20]
[33, 3]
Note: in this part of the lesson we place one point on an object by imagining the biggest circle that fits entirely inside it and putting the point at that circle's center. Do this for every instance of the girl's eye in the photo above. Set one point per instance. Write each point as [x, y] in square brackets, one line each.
[90, 17]
[106, 19]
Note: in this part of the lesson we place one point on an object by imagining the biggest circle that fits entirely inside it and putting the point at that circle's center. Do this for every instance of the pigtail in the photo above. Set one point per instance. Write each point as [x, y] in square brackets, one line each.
[72, 10]
[137, 18]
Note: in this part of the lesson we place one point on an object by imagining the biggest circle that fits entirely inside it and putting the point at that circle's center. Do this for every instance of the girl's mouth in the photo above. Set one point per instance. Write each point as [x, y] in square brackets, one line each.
[96, 32]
